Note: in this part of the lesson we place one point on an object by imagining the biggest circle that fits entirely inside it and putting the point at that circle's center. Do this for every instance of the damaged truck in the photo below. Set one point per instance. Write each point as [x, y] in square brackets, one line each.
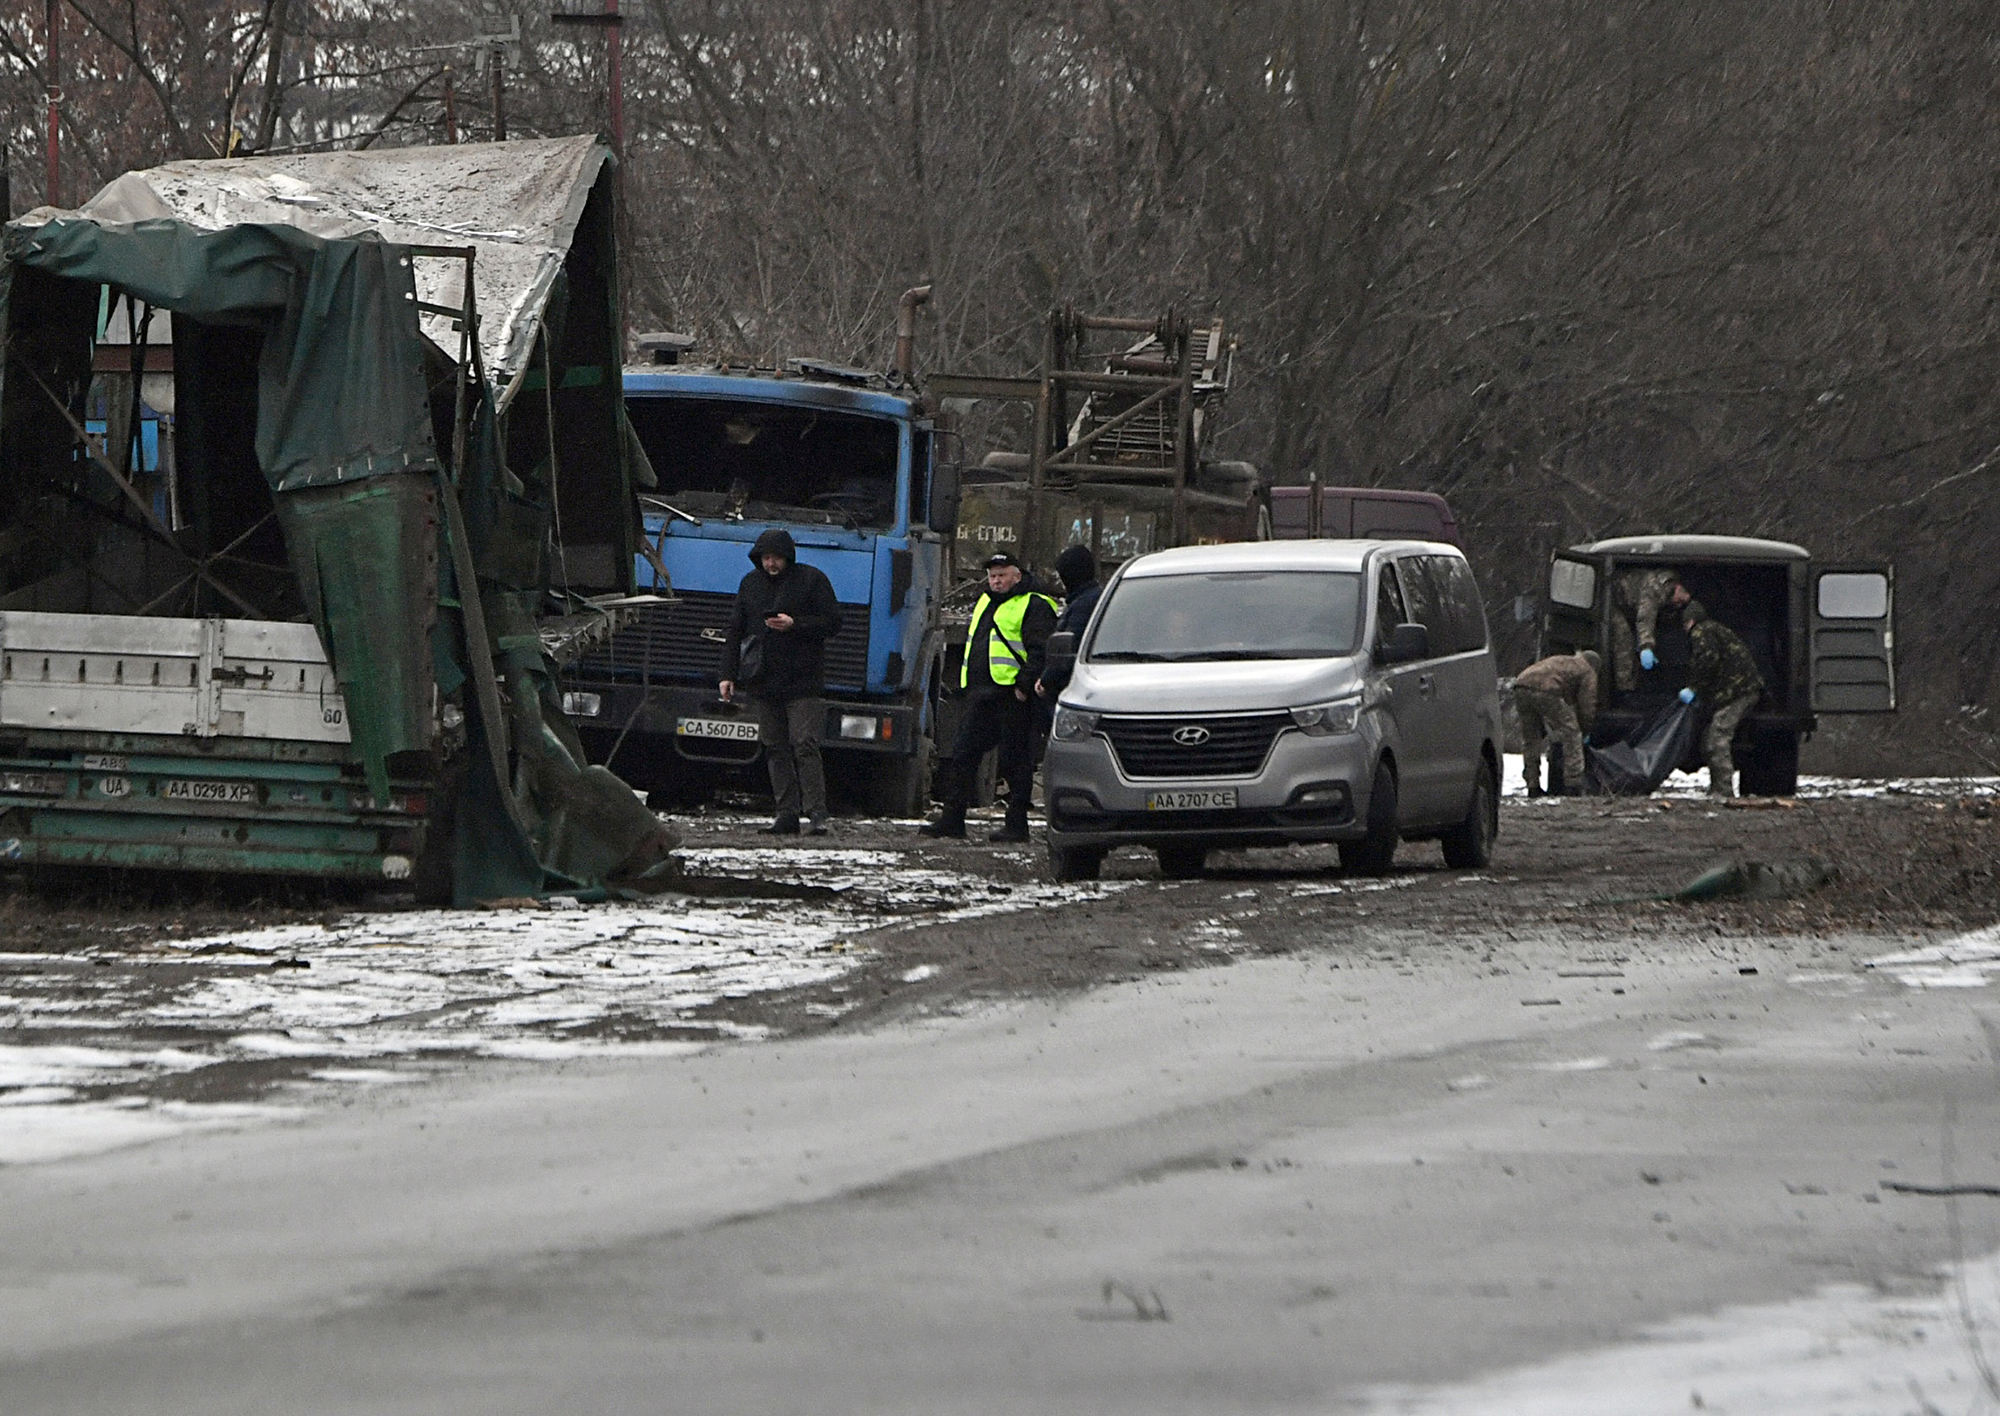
[319, 636]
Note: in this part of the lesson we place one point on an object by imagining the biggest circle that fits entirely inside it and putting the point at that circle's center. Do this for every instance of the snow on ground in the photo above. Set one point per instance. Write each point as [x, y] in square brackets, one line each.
[1846, 1350]
[416, 988]
[1966, 961]
[1695, 784]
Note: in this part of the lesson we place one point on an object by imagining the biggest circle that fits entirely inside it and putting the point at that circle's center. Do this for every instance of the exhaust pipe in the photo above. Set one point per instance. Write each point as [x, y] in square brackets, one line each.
[906, 329]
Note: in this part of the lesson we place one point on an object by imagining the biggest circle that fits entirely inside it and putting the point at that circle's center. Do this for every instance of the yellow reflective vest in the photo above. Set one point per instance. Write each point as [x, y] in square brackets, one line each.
[1006, 651]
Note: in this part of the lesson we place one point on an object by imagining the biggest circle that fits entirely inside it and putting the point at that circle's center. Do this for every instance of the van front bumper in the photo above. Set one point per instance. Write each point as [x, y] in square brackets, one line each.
[1308, 790]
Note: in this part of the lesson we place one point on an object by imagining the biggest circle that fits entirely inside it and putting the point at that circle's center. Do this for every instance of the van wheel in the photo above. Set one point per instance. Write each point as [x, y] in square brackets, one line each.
[1181, 861]
[1072, 863]
[1374, 853]
[1469, 845]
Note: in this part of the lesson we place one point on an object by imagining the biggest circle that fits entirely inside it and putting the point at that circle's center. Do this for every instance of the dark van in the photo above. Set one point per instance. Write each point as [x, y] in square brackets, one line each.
[1823, 636]
[1361, 514]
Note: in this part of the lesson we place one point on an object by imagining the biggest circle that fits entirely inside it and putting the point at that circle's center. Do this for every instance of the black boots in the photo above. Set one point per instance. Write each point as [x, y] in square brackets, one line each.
[949, 826]
[783, 826]
[1014, 832]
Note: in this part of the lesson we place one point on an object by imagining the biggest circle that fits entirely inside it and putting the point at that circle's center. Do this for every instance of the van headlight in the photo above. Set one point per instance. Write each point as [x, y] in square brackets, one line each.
[1073, 724]
[1328, 719]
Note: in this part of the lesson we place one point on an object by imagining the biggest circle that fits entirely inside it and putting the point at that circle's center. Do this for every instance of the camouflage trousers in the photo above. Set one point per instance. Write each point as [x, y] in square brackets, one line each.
[1625, 668]
[1717, 738]
[1543, 716]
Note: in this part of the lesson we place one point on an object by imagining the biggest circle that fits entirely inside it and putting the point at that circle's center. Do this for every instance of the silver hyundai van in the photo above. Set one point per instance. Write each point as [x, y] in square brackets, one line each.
[1278, 692]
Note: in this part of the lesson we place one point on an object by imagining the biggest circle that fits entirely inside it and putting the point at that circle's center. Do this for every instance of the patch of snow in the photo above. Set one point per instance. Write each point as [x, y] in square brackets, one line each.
[1514, 783]
[920, 973]
[1966, 961]
[1846, 1349]
[530, 985]
[31, 1134]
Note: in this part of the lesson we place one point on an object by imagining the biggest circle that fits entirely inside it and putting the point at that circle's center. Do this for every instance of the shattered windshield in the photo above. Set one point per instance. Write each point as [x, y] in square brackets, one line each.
[766, 461]
[1280, 614]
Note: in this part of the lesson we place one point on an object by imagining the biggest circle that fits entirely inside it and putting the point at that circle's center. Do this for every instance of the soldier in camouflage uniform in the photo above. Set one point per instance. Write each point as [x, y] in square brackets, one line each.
[1723, 678]
[1556, 697]
[1639, 594]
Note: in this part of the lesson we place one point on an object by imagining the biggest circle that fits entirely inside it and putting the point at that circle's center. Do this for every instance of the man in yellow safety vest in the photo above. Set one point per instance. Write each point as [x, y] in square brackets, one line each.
[1004, 648]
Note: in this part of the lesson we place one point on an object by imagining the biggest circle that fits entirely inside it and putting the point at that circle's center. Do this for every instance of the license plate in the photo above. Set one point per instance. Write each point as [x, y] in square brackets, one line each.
[727, 729]
[182, 789]
[1215, 799]
[33, 784]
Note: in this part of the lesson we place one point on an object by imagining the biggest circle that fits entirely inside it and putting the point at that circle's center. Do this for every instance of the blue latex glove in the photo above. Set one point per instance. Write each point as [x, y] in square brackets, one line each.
[1687, 695]
[1648, 659]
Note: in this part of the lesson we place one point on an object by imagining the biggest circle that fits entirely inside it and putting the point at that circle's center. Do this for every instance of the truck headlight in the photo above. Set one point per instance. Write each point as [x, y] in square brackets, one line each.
[1073, 724]
[1328, 719]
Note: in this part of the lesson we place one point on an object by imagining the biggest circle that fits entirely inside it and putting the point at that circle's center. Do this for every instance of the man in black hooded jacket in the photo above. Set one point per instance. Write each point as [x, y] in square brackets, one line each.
[1081, 592]
[775, 649]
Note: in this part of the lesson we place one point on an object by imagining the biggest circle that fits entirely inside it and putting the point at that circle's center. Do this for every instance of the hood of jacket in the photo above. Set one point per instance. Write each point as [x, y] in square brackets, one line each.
[775, 541]
[1077, 568]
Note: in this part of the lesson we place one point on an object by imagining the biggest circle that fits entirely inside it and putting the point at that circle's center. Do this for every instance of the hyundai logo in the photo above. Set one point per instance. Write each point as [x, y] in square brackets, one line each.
[1193, 735]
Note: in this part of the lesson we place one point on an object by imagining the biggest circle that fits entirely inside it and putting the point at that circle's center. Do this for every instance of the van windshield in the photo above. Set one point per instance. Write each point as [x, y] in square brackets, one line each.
[1277, 614]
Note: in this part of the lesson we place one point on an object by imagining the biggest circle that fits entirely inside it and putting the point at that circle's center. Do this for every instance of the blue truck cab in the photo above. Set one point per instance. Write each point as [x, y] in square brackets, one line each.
[848, 465]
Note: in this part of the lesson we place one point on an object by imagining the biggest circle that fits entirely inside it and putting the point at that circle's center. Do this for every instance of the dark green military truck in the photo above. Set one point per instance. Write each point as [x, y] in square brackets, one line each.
[1823, 635]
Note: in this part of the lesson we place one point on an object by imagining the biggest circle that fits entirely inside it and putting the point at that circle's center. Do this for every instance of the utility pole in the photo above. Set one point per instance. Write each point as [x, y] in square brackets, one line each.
[53, 77]
[450, 103]
[613, 25]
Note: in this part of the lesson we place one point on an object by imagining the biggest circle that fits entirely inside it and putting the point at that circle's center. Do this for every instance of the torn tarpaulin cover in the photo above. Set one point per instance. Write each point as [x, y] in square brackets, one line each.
[313, 254]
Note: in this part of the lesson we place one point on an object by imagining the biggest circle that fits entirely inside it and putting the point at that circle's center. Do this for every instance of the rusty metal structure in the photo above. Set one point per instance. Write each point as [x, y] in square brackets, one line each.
[1123, 412]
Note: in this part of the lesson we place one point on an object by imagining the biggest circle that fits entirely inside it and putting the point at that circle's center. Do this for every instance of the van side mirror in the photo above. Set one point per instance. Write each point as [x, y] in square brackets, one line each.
[942, 513]
[1406, 644]
[1060, 652]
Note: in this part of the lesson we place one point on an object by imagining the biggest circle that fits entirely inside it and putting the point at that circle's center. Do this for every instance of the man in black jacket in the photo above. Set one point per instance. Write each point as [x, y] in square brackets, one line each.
[1004, 652]
[1081, 592]
[784, 614]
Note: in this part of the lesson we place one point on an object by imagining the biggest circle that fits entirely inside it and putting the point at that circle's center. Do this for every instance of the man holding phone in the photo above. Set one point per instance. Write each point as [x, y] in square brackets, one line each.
[775, 650]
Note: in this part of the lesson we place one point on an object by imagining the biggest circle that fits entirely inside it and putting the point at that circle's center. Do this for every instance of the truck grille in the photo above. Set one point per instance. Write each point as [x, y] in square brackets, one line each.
[1234, 747]
[667, 644]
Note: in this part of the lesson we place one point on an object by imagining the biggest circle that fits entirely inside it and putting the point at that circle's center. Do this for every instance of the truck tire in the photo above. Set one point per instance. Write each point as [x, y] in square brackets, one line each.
[901, 790]
[1068, 864]
[1770, 765]
[1469, 845]
[1374, 853]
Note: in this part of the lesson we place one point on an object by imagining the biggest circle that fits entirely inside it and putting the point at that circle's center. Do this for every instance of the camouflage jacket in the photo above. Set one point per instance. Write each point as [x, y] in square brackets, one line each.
[1721, 669]
[1569, 677]
[1641, 593]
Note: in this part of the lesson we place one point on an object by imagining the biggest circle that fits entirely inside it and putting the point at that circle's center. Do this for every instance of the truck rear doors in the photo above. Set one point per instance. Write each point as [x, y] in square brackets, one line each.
[1853, 626]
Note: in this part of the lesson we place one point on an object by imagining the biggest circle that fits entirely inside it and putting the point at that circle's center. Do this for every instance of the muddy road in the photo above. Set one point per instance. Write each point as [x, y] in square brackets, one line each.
[902, 1126]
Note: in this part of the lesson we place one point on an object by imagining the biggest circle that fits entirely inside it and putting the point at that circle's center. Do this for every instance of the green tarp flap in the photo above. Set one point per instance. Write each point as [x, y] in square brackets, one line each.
[340, 387]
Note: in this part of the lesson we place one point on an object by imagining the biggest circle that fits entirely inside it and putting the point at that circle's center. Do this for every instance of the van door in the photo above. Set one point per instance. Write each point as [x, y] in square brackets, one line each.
[1427, 769]
[1573, 621]
[1853, 623]
[1467, 692]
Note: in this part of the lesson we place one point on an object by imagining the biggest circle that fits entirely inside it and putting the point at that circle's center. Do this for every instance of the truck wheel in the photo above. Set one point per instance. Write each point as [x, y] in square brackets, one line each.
[902, 789]
[1072, 863]
[1374, 853]
[1182, 860]
[1770, 765]
[1469, 845]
